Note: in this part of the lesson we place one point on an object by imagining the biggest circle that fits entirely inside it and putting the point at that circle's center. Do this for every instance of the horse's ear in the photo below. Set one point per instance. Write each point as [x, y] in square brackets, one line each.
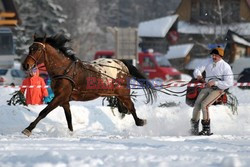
[44, 38]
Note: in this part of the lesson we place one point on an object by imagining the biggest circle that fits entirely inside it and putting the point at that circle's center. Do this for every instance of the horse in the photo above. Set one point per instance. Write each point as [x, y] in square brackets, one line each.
[76, 80]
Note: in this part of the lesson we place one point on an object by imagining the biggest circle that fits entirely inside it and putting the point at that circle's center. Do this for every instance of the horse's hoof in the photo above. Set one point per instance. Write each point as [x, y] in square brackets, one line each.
[141, 122]
[26, 132]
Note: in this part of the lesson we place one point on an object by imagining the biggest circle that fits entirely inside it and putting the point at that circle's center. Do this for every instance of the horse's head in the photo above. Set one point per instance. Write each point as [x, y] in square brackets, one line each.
[36, 55]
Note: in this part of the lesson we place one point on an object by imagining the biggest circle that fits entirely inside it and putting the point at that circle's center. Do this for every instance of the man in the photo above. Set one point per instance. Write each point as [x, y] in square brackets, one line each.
[36, 94]
[219, 77]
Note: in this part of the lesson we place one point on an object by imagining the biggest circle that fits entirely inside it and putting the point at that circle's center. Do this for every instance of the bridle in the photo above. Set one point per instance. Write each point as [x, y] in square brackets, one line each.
[43, 49]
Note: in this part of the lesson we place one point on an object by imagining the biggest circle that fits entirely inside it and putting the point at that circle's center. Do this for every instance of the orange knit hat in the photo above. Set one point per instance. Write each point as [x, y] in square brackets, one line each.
[218, 51]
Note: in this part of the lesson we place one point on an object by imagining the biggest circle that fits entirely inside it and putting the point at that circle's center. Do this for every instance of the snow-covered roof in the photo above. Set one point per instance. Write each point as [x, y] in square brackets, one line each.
[195, 62]
[187, 28]
[179, 51]
[157, 27]
[240, 40]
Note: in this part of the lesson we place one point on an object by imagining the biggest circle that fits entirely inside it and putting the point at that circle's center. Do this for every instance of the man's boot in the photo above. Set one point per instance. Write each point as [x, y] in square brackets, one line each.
[205, 128]
[194, 127]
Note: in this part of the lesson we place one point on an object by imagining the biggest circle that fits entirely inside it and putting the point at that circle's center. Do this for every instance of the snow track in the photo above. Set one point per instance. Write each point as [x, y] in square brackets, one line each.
[101, 138]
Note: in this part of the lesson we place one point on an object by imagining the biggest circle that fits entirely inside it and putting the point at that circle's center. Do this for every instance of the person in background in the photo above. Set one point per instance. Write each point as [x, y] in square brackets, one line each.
[51, 95]
[219, 77]
[36, 94]
[44, 74]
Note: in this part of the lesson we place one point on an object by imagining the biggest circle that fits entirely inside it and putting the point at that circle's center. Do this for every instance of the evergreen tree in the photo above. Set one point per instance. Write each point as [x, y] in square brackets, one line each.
[40, 17]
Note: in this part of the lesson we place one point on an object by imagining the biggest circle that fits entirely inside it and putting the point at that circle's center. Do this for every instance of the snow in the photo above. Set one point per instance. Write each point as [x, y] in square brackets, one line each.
[240, 64]
[179, 51]
[102, 138]
[187, 28]
[240, 40]
[195, 62]
[157, 27]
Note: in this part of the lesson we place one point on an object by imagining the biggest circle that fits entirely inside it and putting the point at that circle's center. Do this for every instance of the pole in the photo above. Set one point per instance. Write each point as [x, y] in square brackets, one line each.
[220, 15]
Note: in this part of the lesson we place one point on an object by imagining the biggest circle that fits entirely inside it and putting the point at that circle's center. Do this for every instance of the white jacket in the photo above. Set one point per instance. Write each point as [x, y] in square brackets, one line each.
[219, 72]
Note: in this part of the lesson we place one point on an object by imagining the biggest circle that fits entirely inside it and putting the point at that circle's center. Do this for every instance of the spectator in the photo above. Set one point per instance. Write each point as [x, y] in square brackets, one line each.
[36, 94]
[51, 95]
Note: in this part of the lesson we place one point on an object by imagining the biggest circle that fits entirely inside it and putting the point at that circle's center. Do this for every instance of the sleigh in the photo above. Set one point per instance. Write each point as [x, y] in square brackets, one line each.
[226, 98]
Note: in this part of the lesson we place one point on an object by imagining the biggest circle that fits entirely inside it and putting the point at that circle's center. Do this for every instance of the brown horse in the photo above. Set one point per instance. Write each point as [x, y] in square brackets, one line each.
[82, 81]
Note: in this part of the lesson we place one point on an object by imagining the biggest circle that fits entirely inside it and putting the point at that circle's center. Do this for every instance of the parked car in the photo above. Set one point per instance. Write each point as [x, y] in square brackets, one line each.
[11, 76]
[244, 77]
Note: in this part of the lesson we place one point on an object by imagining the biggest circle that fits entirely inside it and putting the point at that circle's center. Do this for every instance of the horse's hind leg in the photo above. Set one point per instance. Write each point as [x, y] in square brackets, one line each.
[67, 113]
[130, 106]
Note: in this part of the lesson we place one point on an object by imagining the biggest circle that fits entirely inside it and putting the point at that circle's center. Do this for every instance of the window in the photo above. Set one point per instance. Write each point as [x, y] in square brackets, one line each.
[147, 62]
[21, 74]
[3, 71]
[6, 44]
[14, 73]
[17, 73]
[105, 56]
[162, 61]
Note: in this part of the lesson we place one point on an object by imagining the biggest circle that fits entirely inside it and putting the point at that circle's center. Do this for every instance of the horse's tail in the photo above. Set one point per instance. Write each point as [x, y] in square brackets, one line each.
[147, 86]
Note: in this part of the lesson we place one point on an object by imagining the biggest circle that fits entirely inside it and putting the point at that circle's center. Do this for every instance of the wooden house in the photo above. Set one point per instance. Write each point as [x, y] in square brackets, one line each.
[237, 51]
[8, 13]
[206, 22]
[214, 11]
[8, 19]
[237, 47]
[158, 34]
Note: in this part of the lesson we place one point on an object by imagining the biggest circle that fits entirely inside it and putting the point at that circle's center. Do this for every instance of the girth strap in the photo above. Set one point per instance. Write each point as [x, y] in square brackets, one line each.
[65, 77]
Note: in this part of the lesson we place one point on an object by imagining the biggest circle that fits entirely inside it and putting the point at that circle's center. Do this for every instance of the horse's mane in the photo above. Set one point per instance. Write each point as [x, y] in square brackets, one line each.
[57, 41]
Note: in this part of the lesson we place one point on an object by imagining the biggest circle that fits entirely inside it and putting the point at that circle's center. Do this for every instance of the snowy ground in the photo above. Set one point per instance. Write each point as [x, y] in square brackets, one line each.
[101, 138]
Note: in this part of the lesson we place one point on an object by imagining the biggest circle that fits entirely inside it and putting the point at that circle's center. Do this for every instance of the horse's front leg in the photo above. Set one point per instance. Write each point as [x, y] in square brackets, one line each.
[42, 114]
[67, 112]
[59, 99]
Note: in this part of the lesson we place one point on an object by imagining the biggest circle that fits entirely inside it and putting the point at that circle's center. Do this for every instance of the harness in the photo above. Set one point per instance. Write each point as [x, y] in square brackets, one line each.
[65, 76]
[66, 71]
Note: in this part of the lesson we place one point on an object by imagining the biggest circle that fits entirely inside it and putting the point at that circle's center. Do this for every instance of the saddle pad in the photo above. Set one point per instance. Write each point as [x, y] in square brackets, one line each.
[110, 68]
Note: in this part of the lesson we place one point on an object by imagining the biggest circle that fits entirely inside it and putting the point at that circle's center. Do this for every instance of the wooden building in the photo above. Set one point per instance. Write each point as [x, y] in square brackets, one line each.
[158, 34]
[8, 13]
[237, 52]
[214, 11]
[237, 47]
[206, 22]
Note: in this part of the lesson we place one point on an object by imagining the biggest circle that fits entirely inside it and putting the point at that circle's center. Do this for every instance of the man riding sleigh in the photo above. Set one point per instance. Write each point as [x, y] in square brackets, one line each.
[219, 78]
